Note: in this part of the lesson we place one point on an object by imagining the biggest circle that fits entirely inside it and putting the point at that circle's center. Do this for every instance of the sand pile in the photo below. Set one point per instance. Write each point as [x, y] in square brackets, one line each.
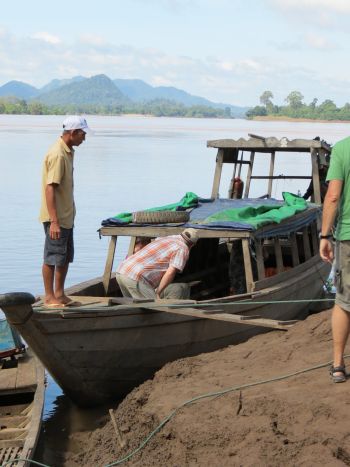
[302, 420]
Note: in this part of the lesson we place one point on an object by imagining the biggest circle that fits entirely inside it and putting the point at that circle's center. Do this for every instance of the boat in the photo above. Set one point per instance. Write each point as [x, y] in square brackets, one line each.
[245, 279]
[22, 390]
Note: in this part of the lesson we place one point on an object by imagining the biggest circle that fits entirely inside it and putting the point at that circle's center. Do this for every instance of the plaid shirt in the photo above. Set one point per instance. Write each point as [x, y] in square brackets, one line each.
[152, 261]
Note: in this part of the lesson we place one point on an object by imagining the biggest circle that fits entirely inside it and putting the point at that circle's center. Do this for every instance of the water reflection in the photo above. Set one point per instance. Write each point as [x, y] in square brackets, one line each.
[62, 419]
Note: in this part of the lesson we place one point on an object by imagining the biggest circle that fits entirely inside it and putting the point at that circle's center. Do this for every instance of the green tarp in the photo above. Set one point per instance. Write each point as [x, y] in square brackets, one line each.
[258, 216]
[190, 200]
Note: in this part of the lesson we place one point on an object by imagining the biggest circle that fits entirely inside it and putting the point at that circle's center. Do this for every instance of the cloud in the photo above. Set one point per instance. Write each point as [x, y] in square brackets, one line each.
[230, 79]
[46, 37]
[317, 41]
[337, 6]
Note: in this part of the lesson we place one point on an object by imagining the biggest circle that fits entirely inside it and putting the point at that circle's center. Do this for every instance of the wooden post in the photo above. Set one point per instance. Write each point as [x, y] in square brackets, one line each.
[109, 263]
[260, 259]
[247, 265]
[217, 175]
[306, 243]
[315, 177]
[278, 254]
[294, 246]
[314, 238]
[272, 167]
[131, 246]
[249, 174]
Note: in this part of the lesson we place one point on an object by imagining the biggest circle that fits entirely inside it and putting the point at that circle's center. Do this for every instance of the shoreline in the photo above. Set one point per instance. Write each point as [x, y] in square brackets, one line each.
[294, 119]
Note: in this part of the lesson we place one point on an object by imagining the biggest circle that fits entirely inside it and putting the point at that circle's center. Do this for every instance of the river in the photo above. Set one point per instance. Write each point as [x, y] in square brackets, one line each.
[128, 164]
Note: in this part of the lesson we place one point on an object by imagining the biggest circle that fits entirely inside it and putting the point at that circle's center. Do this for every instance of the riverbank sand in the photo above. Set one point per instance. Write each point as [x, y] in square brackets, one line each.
[301, 420]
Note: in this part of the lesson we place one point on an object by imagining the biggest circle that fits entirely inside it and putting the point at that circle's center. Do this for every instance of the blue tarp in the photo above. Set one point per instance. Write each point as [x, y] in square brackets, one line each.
[207, 208]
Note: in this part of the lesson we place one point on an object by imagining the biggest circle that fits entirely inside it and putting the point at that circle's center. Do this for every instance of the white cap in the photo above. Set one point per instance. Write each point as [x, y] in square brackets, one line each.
[74, 122]
[190, 235]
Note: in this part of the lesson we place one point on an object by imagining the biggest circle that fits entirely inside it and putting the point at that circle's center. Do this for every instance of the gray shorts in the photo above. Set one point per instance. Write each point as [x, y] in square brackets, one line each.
[58, 252]
[342, 274]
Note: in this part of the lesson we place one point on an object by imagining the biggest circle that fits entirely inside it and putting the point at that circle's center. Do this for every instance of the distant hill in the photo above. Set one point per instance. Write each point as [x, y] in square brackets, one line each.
[139, 91]
[98, 90]
[18, 89]
[58, 83]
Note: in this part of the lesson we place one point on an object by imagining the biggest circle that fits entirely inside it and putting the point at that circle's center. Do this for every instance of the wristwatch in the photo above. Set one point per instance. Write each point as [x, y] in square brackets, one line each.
[328, 237]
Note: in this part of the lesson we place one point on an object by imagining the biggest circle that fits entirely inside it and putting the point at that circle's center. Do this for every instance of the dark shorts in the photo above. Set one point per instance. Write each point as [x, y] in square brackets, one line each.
[58, 252]
[342, 274]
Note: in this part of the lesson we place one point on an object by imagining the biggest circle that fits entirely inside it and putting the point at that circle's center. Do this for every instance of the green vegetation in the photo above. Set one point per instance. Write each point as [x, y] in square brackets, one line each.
[296, 108]
[157, 107]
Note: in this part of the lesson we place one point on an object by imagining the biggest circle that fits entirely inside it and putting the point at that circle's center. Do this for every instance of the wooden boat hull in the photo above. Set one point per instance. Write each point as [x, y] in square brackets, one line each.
[22, 390]
[100, 354]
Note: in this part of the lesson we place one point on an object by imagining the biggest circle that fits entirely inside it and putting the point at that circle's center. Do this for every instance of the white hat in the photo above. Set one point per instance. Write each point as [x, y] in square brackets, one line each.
[74, 122]
[190, 235]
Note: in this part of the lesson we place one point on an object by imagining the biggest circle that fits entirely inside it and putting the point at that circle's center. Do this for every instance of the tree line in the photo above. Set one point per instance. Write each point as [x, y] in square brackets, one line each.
[296, 108]
[157, 108]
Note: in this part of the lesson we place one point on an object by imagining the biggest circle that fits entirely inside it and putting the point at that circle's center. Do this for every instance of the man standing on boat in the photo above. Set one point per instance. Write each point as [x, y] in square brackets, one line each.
[58, 210]
[337, 201]
[150, 272]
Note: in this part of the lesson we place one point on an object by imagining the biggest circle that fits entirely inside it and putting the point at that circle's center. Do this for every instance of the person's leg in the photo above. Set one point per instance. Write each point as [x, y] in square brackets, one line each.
[48, 272]
[341, 309]
[177, 290]
[129, 287]
[64, 255]
[60, 278]
[340, 331]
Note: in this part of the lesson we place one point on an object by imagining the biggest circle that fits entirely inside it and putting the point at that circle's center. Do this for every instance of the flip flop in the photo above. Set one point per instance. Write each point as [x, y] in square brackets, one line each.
[54, 305]
[338, 378]
[72, 303]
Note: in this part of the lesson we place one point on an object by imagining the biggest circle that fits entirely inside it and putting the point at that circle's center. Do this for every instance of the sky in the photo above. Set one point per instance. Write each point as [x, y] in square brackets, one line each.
[228, 51]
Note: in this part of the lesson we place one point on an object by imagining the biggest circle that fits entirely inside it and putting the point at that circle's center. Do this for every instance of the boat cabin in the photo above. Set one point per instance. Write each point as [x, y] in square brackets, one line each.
[233, 258]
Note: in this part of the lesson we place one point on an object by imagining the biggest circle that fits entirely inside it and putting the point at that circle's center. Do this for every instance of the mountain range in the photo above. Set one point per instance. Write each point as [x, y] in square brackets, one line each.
[101, 90]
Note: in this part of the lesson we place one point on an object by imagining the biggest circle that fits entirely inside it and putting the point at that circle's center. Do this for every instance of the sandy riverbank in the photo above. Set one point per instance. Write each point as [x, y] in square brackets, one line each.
[301, 420]
[271, 118]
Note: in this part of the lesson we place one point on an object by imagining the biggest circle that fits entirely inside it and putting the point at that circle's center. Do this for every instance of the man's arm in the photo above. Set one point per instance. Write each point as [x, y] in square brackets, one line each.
[330, 208]
[55, 230]
[167, 279]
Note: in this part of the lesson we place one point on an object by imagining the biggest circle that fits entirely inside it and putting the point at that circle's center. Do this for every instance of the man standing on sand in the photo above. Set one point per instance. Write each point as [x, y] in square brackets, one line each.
[58, 210]
[337, 201]
[150, 272]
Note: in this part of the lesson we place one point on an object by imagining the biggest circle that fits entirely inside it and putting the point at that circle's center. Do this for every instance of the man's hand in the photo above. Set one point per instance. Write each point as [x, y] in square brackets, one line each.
[55, 231]
[326, 250]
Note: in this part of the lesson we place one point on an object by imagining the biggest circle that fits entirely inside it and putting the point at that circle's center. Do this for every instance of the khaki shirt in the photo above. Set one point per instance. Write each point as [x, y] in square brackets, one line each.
[58, 168]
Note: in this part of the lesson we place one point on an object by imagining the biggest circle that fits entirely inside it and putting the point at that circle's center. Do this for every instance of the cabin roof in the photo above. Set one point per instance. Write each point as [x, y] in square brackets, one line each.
[268, 144]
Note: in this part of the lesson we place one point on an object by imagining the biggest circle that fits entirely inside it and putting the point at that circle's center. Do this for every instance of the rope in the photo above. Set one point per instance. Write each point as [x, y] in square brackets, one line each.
[213, 395]
[187, 403]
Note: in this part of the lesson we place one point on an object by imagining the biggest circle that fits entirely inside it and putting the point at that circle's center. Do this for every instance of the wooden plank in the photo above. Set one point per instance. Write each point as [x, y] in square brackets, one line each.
[9, 443]
[153, 232]
[8, 378]
[228, 317]
[294, 248]
[260, 259]
[131, 246]
[249, 174]
[247, 265]
[109, 263]
[217, 175]
[26, 374]
[291, 273]
[306, 243]
[15, 421]
[315, 177]
[314, 238]
[272, 167]
[278, 254]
